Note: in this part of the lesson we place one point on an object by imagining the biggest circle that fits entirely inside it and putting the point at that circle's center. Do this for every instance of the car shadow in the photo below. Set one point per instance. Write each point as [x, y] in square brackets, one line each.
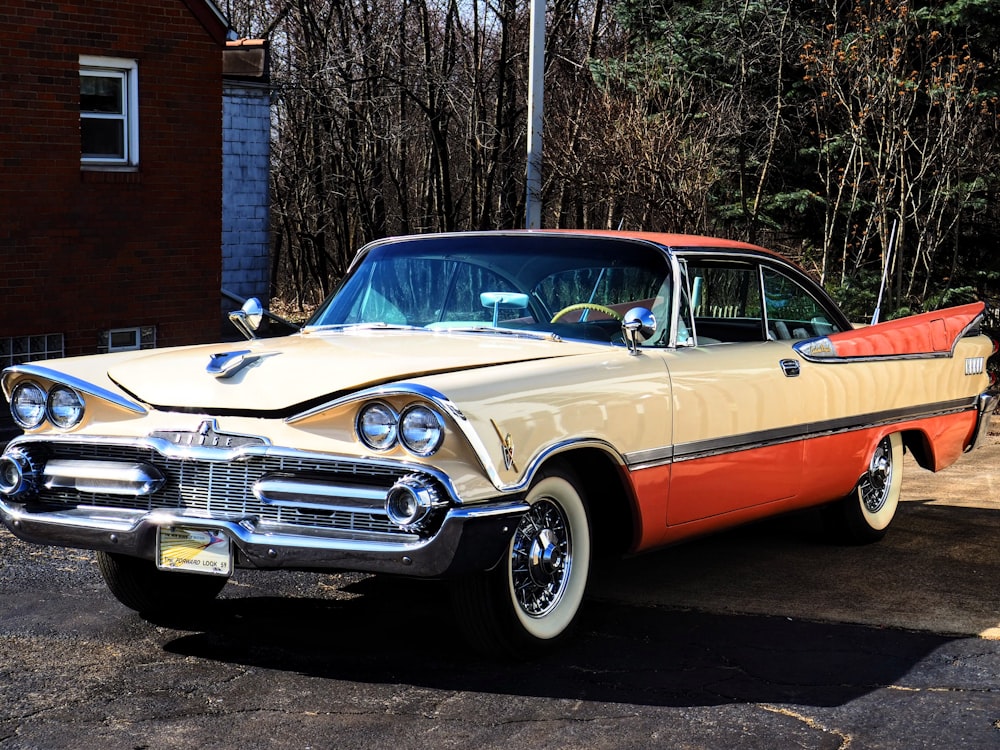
[394, 632]
[768, 613]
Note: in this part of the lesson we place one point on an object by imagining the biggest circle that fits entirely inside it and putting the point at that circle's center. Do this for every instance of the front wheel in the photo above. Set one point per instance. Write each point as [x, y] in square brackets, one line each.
[864, 515]
[140, 585]
[531, 599]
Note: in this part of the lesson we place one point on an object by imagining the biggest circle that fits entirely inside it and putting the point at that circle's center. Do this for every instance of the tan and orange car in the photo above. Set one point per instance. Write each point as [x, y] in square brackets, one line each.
[494, 409]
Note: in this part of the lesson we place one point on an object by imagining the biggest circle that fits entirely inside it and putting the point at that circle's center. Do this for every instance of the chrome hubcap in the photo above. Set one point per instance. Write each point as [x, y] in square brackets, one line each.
[875, 486]
[541, 558]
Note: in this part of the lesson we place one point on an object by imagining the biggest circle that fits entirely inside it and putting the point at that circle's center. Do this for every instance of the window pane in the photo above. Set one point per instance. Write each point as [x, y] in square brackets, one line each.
[726, 291]
[792, 312]
[726, 298]
[101, 94]
[102, 138]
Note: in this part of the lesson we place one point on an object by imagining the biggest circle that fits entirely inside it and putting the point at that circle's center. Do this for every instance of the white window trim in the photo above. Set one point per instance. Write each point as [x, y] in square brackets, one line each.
[130, 70]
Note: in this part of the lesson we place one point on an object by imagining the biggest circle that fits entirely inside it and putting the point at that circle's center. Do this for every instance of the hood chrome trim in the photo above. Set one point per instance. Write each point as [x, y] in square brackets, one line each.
[73, 382]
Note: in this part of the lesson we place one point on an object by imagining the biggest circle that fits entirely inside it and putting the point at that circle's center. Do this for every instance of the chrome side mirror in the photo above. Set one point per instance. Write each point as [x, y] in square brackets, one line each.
[248, 318]
[638, 326]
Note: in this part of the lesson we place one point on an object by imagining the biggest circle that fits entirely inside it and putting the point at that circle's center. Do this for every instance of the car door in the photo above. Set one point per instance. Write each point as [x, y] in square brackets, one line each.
[739, 391]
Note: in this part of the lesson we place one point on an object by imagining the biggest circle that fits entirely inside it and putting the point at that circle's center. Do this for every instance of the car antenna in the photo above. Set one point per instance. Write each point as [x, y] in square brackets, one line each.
[885, 271]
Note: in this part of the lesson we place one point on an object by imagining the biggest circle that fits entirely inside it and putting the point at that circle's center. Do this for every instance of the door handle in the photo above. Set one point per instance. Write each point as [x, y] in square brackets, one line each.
[790, 367]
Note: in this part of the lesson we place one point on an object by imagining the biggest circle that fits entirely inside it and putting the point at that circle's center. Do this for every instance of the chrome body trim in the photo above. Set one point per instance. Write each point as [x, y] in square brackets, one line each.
[470, 434]
[827, 353]
[561, 447]
[975, 365]
[806, 431]
[675, 302]
[418, 390]
[83, 386]
[374, 394]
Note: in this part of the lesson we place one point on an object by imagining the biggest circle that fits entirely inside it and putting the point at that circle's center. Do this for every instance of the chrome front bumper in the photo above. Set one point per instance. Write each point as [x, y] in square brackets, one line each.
[470, 539]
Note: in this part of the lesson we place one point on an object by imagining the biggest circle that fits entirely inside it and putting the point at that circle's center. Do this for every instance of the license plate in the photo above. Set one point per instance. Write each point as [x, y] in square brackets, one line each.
[194, 551]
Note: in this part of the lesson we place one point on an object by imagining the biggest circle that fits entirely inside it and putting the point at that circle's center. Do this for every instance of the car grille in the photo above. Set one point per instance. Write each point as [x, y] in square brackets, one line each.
[224, 489]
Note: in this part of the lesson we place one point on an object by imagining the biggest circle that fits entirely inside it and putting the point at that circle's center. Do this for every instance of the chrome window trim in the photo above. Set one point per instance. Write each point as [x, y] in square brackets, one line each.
[762, 259]
[765, 318]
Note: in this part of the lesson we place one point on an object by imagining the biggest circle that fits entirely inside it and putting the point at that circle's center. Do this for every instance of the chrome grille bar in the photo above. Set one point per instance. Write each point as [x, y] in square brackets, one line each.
[225, 489]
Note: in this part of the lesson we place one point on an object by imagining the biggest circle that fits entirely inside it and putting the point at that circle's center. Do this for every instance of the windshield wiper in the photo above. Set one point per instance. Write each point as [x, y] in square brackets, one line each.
[515, 332]
[368, 326]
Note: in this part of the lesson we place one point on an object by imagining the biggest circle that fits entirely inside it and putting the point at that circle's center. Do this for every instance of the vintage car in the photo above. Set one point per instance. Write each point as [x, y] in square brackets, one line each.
[495, 410]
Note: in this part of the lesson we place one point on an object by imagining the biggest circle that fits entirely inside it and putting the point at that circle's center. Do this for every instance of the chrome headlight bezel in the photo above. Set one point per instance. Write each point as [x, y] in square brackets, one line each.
[377, 426]
[412, 502]
[64, 407]
[33, 417]
[421, 430]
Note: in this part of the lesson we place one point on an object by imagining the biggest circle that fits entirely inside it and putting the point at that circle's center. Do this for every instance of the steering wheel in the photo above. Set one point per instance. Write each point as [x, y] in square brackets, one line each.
[588, 306]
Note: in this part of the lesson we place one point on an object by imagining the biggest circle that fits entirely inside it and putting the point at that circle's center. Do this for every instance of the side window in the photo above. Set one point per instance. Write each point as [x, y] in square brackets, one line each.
[727, 301]
[109, 117]
[792, 312]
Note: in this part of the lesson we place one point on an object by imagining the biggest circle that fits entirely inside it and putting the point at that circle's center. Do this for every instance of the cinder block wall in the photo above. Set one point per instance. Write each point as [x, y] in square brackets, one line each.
[246, 224]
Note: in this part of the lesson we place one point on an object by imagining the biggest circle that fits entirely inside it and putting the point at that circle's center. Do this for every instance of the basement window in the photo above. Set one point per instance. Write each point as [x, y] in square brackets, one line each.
[127, 339]
[109, 112]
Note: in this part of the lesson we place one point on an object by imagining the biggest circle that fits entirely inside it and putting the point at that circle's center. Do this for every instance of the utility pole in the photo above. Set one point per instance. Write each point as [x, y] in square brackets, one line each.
[536, 98]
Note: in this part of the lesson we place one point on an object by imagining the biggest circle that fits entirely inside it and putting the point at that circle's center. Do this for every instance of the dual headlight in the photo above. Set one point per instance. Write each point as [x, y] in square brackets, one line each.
[418, 428]
[31, 405]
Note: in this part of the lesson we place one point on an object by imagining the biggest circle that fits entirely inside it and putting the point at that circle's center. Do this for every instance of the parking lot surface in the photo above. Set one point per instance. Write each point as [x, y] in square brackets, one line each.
[764, 637]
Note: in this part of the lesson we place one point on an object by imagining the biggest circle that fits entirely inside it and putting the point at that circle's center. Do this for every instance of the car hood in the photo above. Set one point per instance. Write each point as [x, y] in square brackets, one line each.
[278, 375]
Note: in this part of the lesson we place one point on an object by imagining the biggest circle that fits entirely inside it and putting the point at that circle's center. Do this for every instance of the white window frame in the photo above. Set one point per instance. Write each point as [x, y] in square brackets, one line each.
[128, 71]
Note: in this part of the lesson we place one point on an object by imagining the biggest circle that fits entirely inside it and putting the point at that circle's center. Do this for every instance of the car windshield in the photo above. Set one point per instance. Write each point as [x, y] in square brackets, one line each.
[577, 287]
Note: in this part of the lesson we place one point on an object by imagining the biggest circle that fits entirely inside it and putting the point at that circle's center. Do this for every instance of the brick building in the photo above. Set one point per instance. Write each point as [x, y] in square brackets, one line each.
[111, 197]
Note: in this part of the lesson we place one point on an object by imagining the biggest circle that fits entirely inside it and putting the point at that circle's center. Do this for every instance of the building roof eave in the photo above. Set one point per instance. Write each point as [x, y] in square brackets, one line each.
[213, 19]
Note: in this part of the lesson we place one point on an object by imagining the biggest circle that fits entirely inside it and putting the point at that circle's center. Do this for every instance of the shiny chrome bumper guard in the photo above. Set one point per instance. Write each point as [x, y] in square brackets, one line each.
[987, 404]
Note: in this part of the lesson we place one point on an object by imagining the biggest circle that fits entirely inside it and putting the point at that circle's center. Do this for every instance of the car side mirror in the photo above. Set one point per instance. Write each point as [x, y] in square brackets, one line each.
[248, 318]
[638, 326]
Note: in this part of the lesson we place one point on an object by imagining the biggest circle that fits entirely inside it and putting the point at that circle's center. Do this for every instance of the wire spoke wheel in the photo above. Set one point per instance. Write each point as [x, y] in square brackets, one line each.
[875, 486]
[531, 599]
[865, 514]
[541, 558]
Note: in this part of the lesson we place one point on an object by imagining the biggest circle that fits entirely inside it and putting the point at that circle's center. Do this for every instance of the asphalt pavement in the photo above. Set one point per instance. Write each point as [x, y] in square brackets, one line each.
[764, 637]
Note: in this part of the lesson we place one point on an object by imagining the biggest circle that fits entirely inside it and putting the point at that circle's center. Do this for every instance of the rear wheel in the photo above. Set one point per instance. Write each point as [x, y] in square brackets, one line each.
[140, 585]
[864, 515]
[531, 599]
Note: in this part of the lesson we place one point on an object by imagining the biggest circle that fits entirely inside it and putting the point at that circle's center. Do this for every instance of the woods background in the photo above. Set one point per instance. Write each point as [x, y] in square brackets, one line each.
[828, 131]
